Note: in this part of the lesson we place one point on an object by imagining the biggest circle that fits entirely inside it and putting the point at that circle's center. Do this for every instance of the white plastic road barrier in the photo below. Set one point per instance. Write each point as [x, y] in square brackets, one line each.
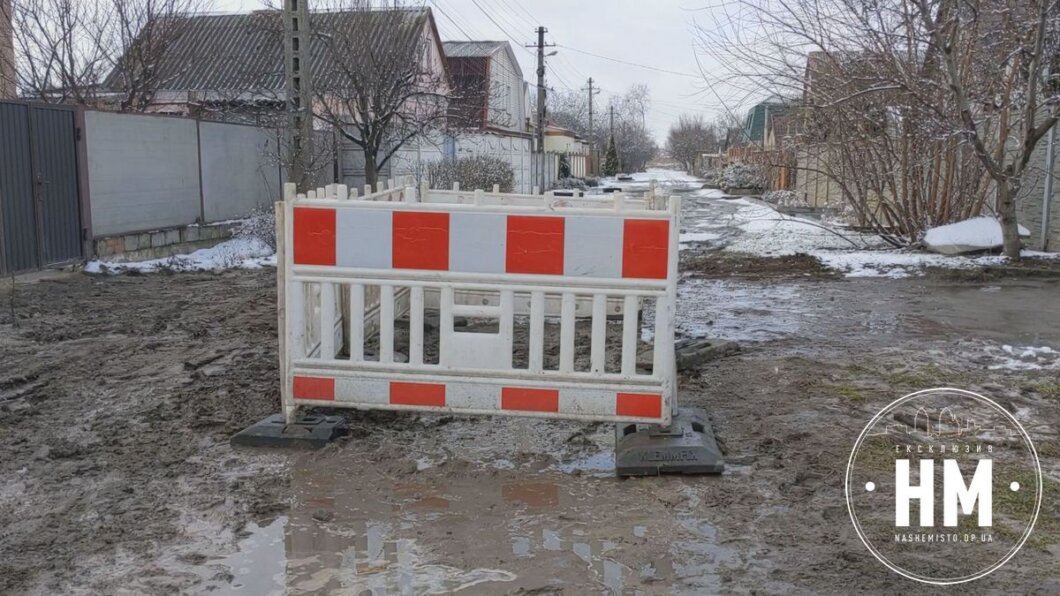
[372, 260]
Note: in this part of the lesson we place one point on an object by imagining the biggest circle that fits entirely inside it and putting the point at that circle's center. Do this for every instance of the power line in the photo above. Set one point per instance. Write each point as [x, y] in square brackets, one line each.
[523, 9]
[494, 21]
[627, 63]
[461, 19]
[457, 25]
[513, 18]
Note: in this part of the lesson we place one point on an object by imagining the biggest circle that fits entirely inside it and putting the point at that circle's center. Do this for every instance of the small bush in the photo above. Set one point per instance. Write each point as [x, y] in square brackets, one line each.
[742, 175]
[261, 224]
[472, 172]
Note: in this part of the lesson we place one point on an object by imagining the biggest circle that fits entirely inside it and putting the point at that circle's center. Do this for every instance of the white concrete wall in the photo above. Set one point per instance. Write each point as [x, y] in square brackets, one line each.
[146, 173]
[409, 160]
[515, 150]
[811, 183]
[143, 172]
[240, 169]
[412, 159]
[1032, 197]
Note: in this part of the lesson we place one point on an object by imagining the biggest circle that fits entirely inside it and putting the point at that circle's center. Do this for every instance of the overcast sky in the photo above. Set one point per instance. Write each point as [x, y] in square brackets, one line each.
[659, 34]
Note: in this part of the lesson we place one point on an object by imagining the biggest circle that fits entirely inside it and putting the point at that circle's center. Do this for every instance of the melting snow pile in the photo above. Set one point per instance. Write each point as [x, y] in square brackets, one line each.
[669, 179]
[238, 253]
[970, 235]
[767, 232]
[1008, 357]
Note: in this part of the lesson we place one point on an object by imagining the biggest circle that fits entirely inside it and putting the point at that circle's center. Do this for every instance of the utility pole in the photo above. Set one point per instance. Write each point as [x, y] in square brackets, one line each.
[611, 110]
[299, 88]
[592, 143]
[541, 104]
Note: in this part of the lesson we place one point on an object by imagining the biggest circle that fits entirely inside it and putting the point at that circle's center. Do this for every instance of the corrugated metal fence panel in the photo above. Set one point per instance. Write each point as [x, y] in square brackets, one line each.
[55, 144]
[19, 230]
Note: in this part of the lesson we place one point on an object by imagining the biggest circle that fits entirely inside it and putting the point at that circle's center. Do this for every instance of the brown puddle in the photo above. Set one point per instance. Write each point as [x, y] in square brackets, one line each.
[502, 531]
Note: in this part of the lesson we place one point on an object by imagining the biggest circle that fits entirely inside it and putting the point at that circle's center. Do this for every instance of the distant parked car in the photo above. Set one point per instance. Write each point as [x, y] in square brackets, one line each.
[624, 178]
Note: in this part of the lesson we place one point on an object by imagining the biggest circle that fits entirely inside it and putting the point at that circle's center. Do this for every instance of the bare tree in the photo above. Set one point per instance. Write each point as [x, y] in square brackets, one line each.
[58, 56]
[384, 84]
[94, 52]
[633, 142]
[570, 109]
[1006, 107]
[137, 40]
[635, 145]
[728, 130]
[7, 51]
[916, 109]
[690, 137]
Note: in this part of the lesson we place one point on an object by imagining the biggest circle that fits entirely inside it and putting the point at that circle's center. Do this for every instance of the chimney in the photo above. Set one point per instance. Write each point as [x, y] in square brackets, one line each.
[7, 52]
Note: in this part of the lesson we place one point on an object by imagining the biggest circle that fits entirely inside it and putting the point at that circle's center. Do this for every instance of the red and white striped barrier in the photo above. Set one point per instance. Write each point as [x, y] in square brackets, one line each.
[350, 267]
[431, 238]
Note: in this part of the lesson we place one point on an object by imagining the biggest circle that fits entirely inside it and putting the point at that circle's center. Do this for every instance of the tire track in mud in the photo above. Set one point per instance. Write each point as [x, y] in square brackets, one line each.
[114, 433]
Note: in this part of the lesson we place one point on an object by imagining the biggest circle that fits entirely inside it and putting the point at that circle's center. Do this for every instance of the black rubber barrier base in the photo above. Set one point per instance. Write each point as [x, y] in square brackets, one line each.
[686, 447]
[311, 431]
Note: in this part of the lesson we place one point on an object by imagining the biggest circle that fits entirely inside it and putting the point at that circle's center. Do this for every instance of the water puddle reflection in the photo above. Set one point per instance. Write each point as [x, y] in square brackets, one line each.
[371, 534]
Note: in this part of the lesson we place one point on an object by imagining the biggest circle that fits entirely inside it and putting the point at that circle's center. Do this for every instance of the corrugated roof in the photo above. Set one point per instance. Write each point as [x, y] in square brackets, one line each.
[472, 49]
[241, 52]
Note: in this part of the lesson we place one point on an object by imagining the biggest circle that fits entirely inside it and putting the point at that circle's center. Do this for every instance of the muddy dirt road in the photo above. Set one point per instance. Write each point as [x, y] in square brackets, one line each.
[118, 396]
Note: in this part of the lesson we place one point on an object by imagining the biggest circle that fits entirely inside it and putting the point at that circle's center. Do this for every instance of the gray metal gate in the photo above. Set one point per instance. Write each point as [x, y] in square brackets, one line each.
[40, 209]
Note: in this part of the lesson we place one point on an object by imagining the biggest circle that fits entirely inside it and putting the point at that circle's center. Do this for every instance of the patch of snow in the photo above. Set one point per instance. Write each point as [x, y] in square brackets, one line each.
[890, 264]
[670, 179]
[896, 265]
[1009, 357]
[237, 253]
[710, 193]
[664, 175]
[767, 232]
[977, 233]
[699, 237]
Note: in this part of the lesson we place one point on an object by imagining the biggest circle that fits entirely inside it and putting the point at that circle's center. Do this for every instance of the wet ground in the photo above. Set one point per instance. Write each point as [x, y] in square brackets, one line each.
[118, 396]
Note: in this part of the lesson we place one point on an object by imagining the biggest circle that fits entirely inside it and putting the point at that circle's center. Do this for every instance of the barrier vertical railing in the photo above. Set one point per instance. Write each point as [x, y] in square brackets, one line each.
[527, 305]
[601, 252]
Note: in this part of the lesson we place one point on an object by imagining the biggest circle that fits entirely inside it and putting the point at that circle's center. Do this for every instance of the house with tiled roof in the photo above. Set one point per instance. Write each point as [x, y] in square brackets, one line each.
[230, 67]
[490, 92]
[489, 110]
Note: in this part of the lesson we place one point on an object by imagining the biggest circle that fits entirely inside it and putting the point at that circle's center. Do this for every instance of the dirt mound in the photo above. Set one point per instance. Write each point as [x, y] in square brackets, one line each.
[730, 264]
